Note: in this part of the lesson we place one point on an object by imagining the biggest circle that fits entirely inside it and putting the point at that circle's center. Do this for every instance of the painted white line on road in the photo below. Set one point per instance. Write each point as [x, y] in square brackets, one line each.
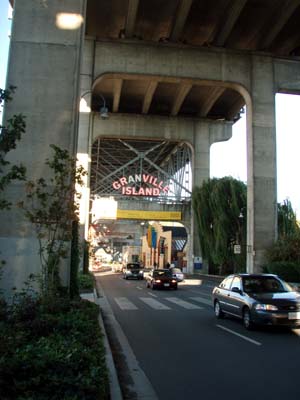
[154, 304]
[152, 294]
[139, 288]
[184, 304]
[125, 304]
[239, 335]
[201, 300]
[192, 282]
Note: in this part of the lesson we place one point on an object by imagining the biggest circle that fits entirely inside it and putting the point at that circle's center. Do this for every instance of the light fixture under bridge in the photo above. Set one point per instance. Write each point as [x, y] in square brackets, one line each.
[103, 111]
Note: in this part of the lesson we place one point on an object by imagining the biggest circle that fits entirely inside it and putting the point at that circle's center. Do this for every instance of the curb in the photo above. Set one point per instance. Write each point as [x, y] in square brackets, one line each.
[114, 385]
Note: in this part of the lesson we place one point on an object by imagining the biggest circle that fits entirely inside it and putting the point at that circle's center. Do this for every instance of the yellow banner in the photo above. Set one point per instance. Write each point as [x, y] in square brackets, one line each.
[149, 215]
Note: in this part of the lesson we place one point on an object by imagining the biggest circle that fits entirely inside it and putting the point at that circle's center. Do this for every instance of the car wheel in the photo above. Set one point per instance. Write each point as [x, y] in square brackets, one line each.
[218, 310]
[247, 321]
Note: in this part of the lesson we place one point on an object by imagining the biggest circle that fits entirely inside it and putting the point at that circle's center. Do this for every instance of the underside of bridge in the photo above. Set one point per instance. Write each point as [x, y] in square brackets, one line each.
[251, 27]
[260, 26]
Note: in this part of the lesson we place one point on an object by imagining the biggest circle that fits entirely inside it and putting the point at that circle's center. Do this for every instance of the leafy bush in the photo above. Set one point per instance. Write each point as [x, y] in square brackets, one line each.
[286, 270]
[285, 249]
[57, 352]
[86, 282]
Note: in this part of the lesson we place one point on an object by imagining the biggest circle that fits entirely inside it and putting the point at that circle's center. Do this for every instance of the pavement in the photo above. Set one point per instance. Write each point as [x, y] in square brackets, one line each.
[126, 378]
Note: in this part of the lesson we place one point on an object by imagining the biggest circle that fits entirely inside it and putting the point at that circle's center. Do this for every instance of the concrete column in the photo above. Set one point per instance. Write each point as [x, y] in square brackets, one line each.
[85, 133]
[206, 133]
[44, 64]
[200, 174]
[261, 147]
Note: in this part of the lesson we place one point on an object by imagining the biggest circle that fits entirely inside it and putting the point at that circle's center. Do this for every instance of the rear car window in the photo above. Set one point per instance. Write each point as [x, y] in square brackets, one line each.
[162, 273]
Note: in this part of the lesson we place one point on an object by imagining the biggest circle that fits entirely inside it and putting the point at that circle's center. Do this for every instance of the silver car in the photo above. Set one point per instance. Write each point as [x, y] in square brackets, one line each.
[133, 271]
[177, 274]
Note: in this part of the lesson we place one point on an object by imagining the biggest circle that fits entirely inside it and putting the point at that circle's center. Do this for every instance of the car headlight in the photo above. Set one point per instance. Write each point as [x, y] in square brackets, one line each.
[157, 280]
[266, 307]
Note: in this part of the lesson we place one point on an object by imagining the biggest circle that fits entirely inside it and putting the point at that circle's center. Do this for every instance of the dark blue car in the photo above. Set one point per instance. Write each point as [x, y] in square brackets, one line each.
[257, 299]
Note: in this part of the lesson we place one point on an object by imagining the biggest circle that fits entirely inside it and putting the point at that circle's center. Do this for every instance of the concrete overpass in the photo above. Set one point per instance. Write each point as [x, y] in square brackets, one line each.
[178, 70]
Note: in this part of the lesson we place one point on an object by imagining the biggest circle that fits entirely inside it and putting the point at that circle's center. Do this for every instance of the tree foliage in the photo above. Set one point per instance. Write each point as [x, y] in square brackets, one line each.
[287, 220]
[52, 206]
[9, 135]
[220, 210]
[286, 250]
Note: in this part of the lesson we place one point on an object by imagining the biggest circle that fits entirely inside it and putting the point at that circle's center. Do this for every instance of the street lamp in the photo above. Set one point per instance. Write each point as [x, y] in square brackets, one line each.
[103, 112]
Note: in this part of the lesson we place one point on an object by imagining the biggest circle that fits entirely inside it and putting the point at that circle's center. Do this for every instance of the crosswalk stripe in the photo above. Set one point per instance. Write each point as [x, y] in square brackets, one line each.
[154, 303]
[125, 304]
[183, 303]
[202, 300]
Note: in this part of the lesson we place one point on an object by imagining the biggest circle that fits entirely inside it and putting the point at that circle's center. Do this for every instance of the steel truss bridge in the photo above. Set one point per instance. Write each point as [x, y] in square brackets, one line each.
[141, 170]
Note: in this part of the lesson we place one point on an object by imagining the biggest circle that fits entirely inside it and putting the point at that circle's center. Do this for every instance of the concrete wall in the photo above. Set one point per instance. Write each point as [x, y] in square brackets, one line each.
[44, 63]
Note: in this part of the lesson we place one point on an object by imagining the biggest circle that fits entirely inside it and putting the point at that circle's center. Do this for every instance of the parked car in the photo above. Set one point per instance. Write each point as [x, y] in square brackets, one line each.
[133, 271]
[161, 279]
[177, 274]
[257, 299]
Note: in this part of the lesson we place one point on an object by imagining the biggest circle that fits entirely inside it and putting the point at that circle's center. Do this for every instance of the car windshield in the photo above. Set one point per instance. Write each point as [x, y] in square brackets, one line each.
[133, 266]
[264, 285]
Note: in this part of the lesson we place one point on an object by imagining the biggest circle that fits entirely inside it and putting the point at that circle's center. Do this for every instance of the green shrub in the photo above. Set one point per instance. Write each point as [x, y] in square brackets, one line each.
[86, 282]
[74, 289]
[286, 270]
[285, 249]
[57, 353]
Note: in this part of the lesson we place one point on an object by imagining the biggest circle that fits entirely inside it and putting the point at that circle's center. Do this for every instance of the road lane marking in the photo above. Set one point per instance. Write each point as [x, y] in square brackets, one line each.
[125, 304]
[152, 294]
[202, 300]
[239, 335]
[184, 304]
[154, 304]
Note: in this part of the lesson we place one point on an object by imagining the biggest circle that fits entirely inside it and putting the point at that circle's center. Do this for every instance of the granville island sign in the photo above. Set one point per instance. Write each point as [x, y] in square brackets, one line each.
[151, 185]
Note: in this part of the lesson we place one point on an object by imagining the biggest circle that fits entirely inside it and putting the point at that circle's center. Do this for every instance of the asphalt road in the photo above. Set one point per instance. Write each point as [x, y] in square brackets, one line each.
[186, 353]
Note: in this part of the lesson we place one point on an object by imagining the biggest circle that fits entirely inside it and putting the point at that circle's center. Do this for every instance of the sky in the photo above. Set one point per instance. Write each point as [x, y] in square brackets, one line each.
[229, 158]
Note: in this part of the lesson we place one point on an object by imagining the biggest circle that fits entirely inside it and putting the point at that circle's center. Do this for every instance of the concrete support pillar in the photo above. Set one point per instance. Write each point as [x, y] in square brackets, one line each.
[44, 66]
[205, 134]
[200, 174]
[261, 147]
[85, 133]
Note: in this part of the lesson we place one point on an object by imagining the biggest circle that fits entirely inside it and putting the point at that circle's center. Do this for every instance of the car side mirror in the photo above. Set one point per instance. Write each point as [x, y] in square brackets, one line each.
[236, 290]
